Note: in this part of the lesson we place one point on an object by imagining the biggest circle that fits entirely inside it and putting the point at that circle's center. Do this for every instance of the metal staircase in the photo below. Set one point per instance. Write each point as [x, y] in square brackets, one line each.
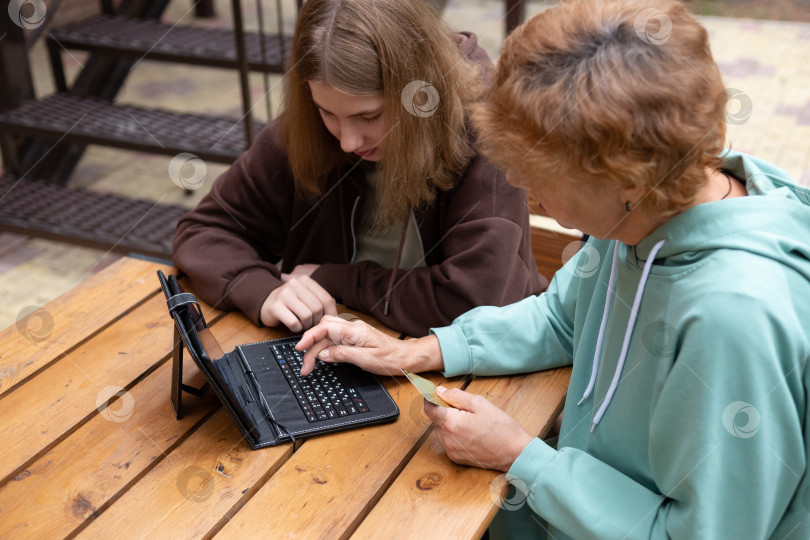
[44, 138]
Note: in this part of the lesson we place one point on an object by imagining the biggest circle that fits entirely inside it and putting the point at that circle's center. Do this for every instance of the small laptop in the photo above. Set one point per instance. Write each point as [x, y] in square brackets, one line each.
[260, 383]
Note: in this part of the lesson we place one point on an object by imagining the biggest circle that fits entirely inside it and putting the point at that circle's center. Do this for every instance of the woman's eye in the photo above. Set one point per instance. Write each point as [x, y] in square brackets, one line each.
[370, 120]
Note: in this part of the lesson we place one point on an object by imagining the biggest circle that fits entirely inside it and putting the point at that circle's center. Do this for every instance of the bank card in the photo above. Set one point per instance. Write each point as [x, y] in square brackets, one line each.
[426, 388]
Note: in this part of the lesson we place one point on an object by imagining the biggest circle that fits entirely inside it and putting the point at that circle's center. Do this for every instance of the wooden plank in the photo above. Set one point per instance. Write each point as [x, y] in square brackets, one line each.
[549, 248]
[214, 460]
[60, 325]
[57, 400]
[330, 483]
[204, 480]
[77, 479]
[431, 485]
[72, 482]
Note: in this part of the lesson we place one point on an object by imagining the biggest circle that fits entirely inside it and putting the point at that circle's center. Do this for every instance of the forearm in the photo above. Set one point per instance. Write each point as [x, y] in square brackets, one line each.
[232, 277]
[494, 341]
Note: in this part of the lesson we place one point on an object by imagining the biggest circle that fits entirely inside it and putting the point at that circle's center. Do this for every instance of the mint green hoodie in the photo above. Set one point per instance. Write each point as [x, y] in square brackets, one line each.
[706, 433]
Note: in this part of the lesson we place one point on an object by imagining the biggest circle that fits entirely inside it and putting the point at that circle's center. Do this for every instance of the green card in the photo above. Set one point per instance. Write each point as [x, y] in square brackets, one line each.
[426, 388]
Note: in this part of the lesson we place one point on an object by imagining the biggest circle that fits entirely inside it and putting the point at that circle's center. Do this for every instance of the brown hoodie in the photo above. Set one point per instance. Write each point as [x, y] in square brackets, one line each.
[475, 238]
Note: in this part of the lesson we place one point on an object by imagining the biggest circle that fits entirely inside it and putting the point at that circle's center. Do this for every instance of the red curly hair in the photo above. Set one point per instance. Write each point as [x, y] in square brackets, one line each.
[623, 92]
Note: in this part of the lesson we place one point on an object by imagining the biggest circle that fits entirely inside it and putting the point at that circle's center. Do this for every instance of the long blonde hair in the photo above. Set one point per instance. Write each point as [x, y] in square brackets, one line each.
[387, 47]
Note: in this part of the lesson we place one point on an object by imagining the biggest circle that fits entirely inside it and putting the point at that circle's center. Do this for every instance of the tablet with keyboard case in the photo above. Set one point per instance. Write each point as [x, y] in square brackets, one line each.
[261, 386]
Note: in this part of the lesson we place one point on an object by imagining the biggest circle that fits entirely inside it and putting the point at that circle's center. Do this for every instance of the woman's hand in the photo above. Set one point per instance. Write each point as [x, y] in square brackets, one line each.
[476, 432]
[337, 340]
[300, 271]
[298, 304]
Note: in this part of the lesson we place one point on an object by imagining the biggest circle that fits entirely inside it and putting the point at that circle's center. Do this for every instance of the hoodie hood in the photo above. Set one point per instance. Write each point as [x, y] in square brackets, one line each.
[768, 222]
[468, 46]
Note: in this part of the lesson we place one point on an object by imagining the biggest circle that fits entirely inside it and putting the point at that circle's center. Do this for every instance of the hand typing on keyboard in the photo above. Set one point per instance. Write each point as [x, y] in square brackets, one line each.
[337, 340]
[322, 395]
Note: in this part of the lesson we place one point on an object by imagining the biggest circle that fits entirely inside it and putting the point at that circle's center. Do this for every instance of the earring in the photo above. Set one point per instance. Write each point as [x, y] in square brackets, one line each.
[628, 206]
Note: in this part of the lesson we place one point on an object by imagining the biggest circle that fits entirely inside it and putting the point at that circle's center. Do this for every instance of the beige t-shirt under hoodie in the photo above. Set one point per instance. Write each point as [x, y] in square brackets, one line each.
[381, 246]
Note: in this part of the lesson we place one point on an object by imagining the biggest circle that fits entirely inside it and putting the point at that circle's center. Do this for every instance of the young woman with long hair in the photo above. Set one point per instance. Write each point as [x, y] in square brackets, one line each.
[368, 189]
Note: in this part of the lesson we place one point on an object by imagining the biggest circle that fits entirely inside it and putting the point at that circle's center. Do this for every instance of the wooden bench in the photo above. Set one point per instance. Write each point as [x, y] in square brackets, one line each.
[552, 245]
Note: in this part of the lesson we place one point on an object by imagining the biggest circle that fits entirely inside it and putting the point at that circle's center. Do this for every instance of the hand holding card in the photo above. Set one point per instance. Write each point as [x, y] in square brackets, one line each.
[426, 388]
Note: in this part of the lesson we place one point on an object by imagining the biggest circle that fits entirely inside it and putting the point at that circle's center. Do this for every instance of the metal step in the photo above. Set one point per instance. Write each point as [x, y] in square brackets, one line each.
[89, 218]
[149, 39]
[95, 121]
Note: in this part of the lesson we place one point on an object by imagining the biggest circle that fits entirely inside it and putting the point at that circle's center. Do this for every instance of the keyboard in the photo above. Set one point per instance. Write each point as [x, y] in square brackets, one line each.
[322, 394]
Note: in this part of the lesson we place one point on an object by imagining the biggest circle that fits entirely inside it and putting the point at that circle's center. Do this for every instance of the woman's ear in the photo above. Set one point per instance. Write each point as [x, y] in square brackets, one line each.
[631, 196]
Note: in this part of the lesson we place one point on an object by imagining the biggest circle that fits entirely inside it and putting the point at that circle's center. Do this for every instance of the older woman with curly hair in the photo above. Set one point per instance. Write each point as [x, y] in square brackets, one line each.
[686, 315]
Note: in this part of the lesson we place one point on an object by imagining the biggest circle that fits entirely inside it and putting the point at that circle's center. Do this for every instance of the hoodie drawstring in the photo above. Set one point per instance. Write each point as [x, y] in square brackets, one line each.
[397, 260]
[602, 325]
[628, 332]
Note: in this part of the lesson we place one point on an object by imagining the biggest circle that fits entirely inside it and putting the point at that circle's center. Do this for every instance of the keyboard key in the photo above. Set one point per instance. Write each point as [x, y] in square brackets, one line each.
[321, 395]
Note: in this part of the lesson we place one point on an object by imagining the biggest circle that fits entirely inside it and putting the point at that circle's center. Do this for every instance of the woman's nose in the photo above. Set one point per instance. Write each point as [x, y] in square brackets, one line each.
[350, 140]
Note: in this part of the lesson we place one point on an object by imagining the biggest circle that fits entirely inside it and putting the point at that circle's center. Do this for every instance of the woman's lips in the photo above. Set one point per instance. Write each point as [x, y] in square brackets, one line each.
[367, 153]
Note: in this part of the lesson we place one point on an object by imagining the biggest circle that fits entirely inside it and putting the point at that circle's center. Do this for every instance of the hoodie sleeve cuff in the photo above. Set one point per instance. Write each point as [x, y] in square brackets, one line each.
[455, 350]
[333, 277]
[527, 463]
[249, 290]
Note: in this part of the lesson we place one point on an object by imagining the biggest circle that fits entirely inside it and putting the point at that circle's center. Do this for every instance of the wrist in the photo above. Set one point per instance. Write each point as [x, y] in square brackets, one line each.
[425, 354]
[265, 313]
[517, 447]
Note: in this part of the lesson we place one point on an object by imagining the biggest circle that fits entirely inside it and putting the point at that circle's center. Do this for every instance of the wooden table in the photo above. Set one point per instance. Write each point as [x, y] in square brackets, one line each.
[90, 446]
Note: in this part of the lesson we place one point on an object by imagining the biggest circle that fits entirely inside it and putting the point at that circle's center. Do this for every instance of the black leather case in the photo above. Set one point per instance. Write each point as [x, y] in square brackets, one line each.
[258, 398]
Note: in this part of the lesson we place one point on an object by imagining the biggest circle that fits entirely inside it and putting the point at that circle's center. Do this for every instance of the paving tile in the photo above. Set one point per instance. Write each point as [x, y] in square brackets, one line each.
[10, 241]
[18, 253]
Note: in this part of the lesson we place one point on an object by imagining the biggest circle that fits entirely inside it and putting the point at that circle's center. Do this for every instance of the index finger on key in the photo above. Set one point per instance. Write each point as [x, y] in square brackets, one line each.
[326, 333]
[311, 355]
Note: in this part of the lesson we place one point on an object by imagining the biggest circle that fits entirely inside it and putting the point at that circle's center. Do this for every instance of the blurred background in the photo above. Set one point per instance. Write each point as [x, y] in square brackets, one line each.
[762, 47]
